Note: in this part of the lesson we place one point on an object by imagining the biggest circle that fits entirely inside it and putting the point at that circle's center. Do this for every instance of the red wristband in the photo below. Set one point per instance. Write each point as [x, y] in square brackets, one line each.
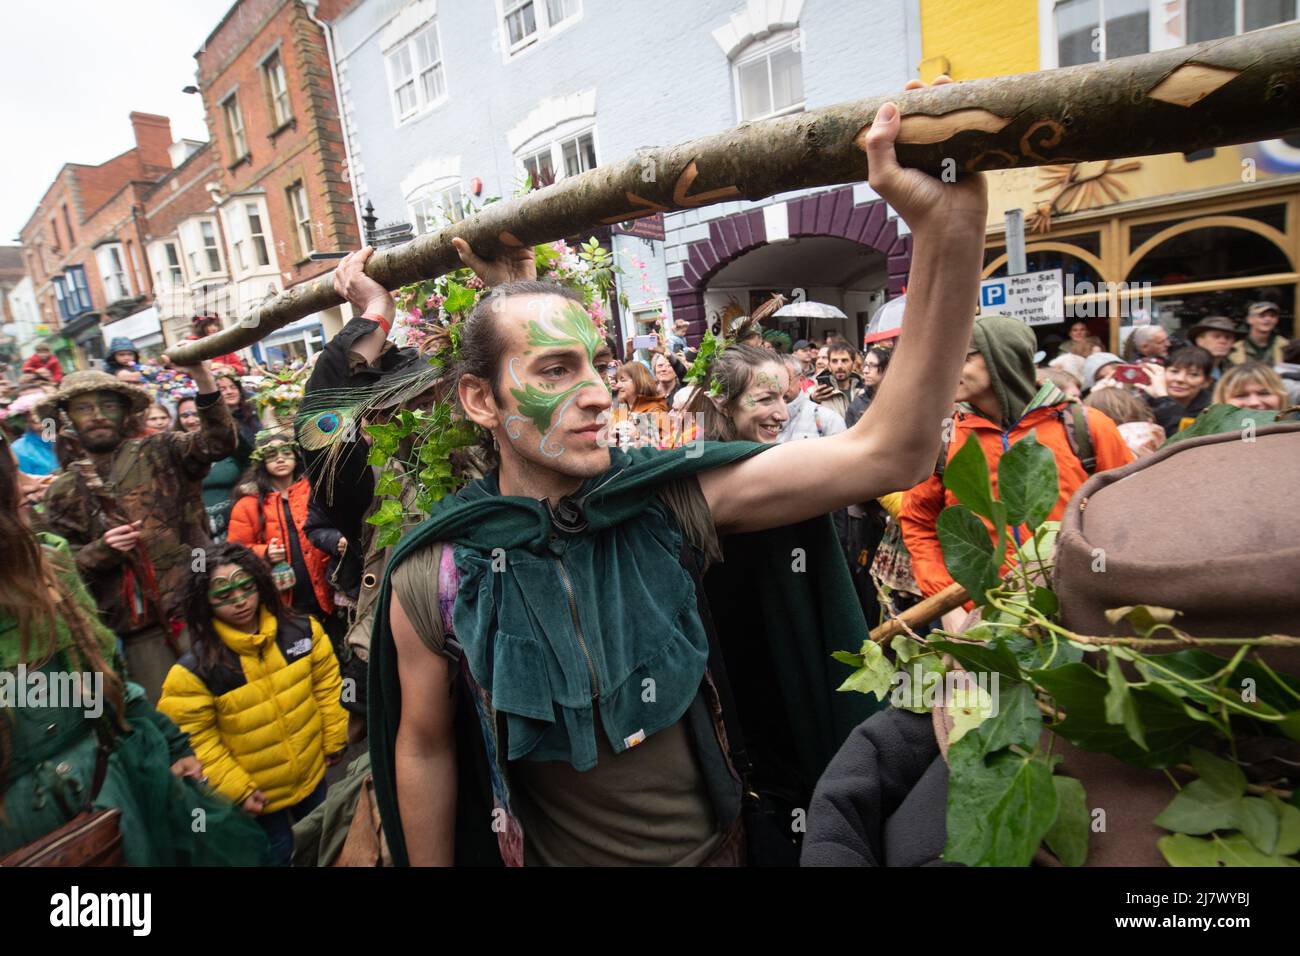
[381, 319]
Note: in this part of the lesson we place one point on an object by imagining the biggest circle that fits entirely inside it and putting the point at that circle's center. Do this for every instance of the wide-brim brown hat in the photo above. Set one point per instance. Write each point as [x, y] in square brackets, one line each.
[80, 383]
[1230, 563]
[1218, 323]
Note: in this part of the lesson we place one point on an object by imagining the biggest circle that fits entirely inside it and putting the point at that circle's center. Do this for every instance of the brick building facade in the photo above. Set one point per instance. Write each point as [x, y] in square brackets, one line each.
[83, 244]
[277, 142]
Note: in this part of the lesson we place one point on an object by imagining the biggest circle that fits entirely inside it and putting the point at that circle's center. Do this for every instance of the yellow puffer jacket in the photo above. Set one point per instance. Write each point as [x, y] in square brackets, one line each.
[269, 725]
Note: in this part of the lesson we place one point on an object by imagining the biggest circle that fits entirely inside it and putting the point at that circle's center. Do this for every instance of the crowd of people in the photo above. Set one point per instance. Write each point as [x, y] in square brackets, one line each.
[596, 651]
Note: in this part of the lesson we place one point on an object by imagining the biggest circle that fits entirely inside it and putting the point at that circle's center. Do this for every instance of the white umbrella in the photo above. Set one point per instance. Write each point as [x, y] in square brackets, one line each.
[809, 310]
[886, 322]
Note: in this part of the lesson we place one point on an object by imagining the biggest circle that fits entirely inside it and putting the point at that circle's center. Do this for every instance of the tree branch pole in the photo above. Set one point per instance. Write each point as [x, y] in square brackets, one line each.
[1237, 90]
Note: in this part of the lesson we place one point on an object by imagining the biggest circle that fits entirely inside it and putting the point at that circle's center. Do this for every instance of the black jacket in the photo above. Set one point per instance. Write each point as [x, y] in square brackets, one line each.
[883, 799]
[1169, 411]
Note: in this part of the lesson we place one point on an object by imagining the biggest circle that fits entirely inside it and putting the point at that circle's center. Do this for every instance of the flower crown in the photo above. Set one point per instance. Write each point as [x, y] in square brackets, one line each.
[266, 437]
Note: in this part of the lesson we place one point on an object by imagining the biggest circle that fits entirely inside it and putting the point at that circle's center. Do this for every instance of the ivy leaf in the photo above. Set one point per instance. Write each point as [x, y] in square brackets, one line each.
[905, 648]
[1235, 850]
[967, 551]
[459, 298]
[1045, 601]
[1068, 837]
[1179, 849]
[1080, 691]
[1288, 838]
[1199, 808]
[1223, 418]
[1119, 705]
[967, 476]
[1222, 776]
[921, 684]
[389, 513]
[1041, 548]
[1032, 655]
[998, 810]
[388, 485]
[1258, 823]
[389, 536]
[1144, 617]
[874, 676]
[1198, 665]
[848, 657]
[1027, 482]
[979, 657]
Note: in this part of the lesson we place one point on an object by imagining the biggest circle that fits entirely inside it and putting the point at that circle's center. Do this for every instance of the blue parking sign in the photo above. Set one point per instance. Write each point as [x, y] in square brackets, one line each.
[993, 294]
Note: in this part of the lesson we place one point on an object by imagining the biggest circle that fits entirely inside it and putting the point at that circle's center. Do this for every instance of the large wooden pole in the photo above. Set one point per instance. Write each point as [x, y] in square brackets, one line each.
[1236, 90]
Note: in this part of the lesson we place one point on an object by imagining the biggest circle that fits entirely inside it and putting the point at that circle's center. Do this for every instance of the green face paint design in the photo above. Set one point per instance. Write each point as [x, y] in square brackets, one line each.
[762, 380]
[566, 328]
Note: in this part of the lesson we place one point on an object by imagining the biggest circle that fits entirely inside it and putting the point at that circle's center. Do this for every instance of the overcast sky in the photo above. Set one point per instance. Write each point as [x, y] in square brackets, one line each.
[70, 73]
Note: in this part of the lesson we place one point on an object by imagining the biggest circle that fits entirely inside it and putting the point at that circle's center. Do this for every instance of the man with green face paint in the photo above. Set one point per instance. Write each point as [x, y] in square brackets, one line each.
[546, 679]
[132, 509]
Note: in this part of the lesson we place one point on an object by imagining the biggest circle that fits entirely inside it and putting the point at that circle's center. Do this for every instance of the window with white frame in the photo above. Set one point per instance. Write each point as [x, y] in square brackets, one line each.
[256, 234]
[524, 22]
[1091, 30]
[540, 169]
[415, 72]
[199, 241]
[579, 153]
[298, 208]
[1212, 19]
[434, 207]
[211, 250]
[277, 90]
[1087, 31]
[166, 261]
[566, 155]
[769, 77]
[235, 126]
[113, 272]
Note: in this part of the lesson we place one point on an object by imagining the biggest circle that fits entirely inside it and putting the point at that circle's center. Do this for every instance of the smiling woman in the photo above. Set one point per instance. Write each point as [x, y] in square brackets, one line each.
[751, 406]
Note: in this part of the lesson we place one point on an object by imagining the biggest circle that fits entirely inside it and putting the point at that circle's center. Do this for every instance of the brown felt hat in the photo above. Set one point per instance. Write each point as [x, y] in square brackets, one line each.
[1220, 323]
[79, 383]
[1203, 526]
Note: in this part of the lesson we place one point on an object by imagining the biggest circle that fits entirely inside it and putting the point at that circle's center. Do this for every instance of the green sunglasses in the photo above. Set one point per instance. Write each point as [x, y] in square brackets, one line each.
[232, 590]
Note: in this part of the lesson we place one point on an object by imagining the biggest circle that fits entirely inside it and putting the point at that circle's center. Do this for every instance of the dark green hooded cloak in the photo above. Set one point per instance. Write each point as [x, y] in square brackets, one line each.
[785, 603]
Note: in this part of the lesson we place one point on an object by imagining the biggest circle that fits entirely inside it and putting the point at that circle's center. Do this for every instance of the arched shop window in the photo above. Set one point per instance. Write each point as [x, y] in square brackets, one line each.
[1207, 259]
[1214, 252]
[1182, 310]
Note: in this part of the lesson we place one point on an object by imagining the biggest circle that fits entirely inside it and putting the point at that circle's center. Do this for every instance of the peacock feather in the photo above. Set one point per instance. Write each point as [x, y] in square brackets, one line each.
[320, 429]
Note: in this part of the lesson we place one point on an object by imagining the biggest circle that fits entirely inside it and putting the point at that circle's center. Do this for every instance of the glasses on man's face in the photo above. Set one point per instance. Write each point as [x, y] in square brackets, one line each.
[873, 366]
[225, 591]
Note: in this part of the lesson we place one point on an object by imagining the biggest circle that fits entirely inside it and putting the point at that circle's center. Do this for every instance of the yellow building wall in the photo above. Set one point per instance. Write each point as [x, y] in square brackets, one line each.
[970, 39]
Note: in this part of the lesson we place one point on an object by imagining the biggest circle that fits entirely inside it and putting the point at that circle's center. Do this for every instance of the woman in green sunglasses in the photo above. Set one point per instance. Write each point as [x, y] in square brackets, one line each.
[258, 694]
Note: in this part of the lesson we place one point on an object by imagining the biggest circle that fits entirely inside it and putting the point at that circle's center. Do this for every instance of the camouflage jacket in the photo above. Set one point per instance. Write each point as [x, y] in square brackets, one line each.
[156, 480]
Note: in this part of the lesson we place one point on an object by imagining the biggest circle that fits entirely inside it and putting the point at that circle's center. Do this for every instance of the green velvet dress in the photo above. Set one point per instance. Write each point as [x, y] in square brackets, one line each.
[50, 753]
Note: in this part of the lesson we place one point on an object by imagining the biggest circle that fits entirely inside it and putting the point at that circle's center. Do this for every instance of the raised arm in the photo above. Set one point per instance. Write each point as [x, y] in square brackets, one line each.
[894, 444]
[217, 438]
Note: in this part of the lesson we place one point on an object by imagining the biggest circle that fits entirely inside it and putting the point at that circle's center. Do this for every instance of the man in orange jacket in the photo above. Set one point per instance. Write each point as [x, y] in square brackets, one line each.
[999, 402]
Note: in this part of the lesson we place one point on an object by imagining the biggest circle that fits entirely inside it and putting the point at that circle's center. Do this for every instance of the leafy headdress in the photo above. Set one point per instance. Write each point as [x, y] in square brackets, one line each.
[736, 327]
